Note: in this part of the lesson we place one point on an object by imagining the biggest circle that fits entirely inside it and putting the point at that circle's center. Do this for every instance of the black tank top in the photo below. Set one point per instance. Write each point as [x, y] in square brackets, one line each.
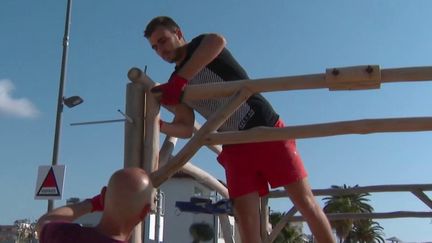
[256, 111]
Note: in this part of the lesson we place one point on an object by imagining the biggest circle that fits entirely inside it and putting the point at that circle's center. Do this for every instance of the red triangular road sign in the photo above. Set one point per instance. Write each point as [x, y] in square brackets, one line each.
[49, 185]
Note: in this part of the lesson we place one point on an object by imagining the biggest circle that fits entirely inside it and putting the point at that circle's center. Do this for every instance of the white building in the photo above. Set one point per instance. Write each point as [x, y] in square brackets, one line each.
[176, 224]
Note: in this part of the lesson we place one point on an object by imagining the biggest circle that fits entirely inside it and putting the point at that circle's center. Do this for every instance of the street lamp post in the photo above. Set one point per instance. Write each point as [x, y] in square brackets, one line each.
[60, 93]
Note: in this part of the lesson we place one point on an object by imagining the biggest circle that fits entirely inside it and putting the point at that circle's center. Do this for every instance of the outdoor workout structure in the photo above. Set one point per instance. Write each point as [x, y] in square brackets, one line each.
[142, 134]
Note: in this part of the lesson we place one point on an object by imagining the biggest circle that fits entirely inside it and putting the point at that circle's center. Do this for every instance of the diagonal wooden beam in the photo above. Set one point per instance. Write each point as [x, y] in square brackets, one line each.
[281, 224]
[192, 146]
[423, 197]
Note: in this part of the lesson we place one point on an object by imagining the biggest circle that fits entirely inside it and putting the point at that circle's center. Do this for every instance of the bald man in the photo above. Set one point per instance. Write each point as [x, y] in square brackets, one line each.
[124, 203]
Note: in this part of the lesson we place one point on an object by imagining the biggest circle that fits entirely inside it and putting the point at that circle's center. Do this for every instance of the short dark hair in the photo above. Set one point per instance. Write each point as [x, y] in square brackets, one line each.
[164, 21]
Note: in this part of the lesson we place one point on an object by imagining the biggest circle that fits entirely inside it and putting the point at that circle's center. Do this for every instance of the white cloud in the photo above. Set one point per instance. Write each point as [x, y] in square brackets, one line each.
[10, 106]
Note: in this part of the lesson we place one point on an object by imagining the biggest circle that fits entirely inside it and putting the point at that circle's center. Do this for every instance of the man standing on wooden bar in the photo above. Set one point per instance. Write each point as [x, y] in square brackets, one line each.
[249, 167]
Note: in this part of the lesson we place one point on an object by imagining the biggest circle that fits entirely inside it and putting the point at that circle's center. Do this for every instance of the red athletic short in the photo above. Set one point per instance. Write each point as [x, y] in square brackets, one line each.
[251, 167]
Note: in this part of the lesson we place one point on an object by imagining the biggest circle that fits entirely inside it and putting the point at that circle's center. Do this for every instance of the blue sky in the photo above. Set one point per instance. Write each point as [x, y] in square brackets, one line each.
[272, 38]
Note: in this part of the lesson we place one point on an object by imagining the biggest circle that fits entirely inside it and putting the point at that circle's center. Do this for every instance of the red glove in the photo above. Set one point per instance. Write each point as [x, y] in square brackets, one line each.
[98, 202]
[172, 91]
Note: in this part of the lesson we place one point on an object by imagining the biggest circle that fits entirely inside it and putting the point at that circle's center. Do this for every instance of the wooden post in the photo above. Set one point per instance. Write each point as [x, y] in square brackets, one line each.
[151, 134]
[133, 142]
[133, 137]
[151, 149]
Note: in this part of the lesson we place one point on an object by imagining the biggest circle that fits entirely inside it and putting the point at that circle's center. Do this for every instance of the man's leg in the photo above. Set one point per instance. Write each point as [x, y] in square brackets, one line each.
[301, 195]
[246, 210]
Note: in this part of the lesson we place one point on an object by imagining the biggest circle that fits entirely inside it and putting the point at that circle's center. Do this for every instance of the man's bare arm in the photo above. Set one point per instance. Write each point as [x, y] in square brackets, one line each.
[209, 48]
[183, 123]
[67, 213]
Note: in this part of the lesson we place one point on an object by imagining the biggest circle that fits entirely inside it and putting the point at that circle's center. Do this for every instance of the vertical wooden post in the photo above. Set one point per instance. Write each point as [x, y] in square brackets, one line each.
[133, 142]
[151, 149]
[151, 134]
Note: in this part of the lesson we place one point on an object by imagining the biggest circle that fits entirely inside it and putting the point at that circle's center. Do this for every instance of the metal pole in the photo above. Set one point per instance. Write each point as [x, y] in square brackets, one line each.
[158, 215]
[60, 93]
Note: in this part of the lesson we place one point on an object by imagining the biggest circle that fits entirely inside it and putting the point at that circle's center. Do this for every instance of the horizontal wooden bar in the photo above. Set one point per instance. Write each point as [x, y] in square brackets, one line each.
[299, 82]
[366, 126]
[406, 74]
[356, 216]
[363, 189]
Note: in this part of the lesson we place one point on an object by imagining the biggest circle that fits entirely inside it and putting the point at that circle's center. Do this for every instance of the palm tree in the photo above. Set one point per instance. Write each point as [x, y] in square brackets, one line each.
[347, 203]
[288, 233]
[365, 231]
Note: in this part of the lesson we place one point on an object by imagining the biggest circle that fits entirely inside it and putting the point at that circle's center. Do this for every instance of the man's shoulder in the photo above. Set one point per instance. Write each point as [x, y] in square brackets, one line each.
[59, 225]
[198, 37]
[63, 232]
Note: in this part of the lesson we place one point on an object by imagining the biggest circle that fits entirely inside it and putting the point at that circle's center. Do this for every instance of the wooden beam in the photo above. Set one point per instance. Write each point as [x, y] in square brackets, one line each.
[416, 189]
[166, 150]
[423, 197]
[406, 74]
[299, 82]
[357, 216]
[216, 90]
[354, 78]
[213, 123]
[363, 189]
[133, 139]
[217, 149]
[281, 224]
[366, 126]
[151, 134]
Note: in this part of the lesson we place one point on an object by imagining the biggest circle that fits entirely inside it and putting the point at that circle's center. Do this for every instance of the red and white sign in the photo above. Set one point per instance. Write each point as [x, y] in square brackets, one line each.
[49, 184]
